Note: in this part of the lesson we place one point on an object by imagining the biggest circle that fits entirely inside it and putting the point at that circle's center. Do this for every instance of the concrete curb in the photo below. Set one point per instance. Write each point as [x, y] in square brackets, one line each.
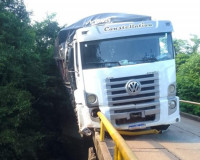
[190, 116]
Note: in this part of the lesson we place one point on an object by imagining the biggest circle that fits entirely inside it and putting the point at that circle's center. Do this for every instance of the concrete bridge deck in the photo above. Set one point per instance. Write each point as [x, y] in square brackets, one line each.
[180, 142]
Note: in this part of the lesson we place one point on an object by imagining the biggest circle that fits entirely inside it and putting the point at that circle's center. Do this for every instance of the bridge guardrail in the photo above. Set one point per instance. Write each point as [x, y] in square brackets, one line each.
[188, 115]
[122, 150]
[190, 102]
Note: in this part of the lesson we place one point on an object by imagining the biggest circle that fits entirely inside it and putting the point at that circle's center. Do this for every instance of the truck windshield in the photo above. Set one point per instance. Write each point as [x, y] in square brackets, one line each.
[126, 51]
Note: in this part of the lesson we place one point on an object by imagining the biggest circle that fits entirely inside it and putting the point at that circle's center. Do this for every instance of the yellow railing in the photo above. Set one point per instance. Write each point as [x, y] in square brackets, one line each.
[122, 150]
[190, 102]
[129, 133]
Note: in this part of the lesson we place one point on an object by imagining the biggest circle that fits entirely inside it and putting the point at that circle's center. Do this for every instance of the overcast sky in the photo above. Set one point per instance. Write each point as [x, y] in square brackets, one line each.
[184, 14]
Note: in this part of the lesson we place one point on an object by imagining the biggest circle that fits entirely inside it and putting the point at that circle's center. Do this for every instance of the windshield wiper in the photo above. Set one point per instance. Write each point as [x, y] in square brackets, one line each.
[149, 59]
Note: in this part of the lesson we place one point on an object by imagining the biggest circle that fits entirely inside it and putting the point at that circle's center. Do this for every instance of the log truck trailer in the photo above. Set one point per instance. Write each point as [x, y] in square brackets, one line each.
[122, 65]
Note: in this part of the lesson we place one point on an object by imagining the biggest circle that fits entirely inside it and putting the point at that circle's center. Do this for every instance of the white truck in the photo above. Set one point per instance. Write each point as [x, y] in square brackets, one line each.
[122, 65]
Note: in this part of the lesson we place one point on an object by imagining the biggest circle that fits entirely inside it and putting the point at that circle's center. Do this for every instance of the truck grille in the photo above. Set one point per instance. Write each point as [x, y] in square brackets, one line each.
[118, 96]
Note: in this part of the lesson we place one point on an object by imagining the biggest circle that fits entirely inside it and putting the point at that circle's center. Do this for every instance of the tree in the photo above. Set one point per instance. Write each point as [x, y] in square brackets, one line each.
[188, 82]
[22, 84]
[196, 43]
[188, 66]
[186, 47]
[33, 100]
[181, 46]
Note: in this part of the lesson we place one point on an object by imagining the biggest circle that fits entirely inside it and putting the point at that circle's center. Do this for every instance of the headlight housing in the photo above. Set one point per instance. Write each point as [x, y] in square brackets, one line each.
[172, 89]
[172, 104]
[91, 98]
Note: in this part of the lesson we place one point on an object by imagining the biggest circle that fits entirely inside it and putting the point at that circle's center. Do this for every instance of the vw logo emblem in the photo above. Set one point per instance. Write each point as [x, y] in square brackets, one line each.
[133, 87]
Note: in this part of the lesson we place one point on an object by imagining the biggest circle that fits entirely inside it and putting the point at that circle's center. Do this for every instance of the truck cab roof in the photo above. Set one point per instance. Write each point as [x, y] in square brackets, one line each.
[66, 34]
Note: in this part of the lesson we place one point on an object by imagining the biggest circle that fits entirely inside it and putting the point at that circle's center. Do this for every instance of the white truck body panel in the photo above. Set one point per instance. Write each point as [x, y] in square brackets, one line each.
[99, 32]
[95, 82]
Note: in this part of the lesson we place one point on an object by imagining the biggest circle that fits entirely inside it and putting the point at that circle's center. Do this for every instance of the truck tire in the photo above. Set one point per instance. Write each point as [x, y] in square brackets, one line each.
[161, 127]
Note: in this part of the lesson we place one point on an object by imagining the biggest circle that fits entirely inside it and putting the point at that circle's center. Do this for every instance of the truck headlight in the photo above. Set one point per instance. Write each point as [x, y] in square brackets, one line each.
[171, 89]
[91, 98]
[172, 104]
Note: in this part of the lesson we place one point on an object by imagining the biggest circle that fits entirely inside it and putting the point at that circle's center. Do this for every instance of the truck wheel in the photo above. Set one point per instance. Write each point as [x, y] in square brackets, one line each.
[161, 127]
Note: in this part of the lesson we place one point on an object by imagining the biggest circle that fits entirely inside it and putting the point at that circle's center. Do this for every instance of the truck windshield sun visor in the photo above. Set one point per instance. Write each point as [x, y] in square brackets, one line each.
[127, 51]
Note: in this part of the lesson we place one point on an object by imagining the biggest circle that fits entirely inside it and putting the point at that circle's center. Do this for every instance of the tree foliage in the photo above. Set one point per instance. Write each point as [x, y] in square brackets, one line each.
[181, 59]
[196, 43]
[187, 47]
[181, 46]
[32, 97]
[188, 73]
[35, 114]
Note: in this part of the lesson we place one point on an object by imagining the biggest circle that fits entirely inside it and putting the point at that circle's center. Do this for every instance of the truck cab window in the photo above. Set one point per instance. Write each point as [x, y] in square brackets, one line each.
[76, 53]
[127, 50]
[71, 59]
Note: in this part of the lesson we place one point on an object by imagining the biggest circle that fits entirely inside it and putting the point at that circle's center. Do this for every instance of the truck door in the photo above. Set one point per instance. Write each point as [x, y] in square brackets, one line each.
[71, 68]
[76, 65]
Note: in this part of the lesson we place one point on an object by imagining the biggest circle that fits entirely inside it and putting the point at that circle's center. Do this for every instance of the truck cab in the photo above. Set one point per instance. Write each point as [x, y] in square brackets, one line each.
[124, 68]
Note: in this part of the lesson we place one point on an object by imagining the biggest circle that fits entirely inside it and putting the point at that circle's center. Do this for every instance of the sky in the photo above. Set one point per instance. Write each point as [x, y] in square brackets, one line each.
[184, 14]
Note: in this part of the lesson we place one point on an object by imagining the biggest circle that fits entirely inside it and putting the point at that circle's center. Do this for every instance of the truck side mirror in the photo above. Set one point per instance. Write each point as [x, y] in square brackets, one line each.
[71, 59]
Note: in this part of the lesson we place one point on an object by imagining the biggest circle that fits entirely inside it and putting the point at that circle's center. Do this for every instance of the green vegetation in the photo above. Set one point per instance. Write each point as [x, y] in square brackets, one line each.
[33, 100]
[188, 73]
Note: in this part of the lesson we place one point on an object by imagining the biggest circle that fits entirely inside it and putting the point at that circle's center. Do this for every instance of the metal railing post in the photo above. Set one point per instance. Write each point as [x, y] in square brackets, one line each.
[120, 143]
[119, 156]
[102, 132]
[116, 153]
